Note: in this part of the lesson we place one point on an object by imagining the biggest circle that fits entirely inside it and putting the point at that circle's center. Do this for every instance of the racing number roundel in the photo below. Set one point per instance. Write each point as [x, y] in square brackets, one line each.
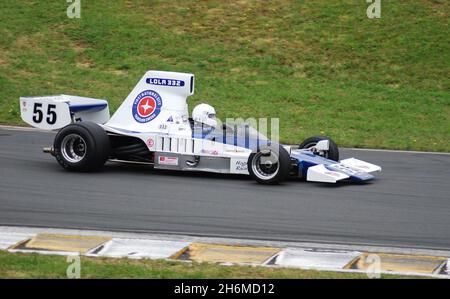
[147, 106]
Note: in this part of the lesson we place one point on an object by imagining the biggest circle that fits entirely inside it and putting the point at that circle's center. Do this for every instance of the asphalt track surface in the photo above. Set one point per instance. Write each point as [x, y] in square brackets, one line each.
[408, 205]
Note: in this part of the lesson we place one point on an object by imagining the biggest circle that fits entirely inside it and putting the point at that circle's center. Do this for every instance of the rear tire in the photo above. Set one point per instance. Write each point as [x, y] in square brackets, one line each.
[269, 165]
[333, 151]
[82, 146]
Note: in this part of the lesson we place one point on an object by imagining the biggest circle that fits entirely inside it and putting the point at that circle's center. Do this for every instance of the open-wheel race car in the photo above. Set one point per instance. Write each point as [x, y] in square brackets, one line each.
[152, 126]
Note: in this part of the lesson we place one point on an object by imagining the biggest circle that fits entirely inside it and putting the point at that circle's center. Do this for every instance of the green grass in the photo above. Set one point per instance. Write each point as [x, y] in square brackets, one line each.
[18, 265]
[322, 67]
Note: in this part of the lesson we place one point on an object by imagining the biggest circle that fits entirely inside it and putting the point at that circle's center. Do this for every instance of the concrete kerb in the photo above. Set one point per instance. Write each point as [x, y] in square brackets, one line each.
[308, 256]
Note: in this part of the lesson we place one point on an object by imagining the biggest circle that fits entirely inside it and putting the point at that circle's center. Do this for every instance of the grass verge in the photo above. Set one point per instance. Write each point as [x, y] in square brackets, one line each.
[321, 67]
[20, 265]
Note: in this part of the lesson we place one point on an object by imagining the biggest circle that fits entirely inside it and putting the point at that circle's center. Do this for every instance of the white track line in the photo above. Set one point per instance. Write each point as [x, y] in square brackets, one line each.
[24, 129]
[31, 129]
[396, 151]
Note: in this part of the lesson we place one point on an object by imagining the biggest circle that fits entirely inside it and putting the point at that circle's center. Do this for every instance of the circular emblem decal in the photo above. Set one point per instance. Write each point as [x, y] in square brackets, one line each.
[147, 106]
[150, 142]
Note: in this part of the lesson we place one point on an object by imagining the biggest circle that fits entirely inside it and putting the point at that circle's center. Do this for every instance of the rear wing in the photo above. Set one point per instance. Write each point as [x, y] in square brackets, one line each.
[55, 112]
[158, 100]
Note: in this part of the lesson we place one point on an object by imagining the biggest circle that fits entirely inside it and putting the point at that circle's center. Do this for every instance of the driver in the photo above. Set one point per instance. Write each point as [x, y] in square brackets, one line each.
[204, 117]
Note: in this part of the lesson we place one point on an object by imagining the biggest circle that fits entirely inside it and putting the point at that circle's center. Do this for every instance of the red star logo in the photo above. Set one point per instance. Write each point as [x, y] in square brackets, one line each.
[146, 106]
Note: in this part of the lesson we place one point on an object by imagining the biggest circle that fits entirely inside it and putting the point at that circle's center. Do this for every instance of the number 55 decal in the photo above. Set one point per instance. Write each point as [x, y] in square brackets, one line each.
[38, 115]
[45, 112]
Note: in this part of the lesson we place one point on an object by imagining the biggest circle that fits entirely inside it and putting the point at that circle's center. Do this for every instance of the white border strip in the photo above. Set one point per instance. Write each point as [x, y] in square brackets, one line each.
[24, 129]
[394, 151]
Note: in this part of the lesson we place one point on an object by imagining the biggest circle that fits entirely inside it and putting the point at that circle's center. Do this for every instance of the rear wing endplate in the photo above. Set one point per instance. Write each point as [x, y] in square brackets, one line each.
[55, 112]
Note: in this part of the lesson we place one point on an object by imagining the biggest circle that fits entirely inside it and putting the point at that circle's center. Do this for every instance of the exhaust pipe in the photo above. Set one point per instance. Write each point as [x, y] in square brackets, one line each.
[49, 150]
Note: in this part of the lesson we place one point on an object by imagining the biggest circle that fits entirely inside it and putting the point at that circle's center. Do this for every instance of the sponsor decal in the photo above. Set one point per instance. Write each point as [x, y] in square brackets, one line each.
[210, 152]
[235, 151]
[346, 169]
[335, 174]
[362, 166]
[240, 165]
[165, 82]
[150, 142]
[147, 106]
[164, 160]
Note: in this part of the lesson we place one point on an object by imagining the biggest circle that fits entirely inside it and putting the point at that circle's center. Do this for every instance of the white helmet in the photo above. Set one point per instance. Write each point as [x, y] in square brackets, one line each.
[206, 114]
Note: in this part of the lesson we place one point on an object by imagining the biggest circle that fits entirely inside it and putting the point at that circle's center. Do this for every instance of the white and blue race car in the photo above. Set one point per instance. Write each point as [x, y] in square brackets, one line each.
[152, 126]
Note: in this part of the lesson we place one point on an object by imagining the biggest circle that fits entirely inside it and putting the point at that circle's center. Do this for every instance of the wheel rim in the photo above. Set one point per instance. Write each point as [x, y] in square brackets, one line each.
[73, 148]
[265, 165]
[321, 153]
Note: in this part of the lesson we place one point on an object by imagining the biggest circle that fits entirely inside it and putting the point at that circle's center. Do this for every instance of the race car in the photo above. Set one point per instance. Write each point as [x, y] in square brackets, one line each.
[152, 126]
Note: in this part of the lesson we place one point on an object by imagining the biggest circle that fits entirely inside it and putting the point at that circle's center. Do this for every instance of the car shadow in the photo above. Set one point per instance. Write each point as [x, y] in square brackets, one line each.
[341, 184]
[149, 170]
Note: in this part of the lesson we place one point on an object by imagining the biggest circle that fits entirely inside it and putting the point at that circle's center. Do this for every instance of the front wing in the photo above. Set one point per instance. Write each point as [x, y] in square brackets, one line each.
[349, 169]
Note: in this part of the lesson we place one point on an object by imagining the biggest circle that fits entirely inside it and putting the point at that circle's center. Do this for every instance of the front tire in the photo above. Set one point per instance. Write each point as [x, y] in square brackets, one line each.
[269, 165]
[82, 146]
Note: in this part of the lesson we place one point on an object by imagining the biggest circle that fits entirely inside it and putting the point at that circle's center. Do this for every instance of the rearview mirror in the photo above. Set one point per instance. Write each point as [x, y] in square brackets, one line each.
[323, 145]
